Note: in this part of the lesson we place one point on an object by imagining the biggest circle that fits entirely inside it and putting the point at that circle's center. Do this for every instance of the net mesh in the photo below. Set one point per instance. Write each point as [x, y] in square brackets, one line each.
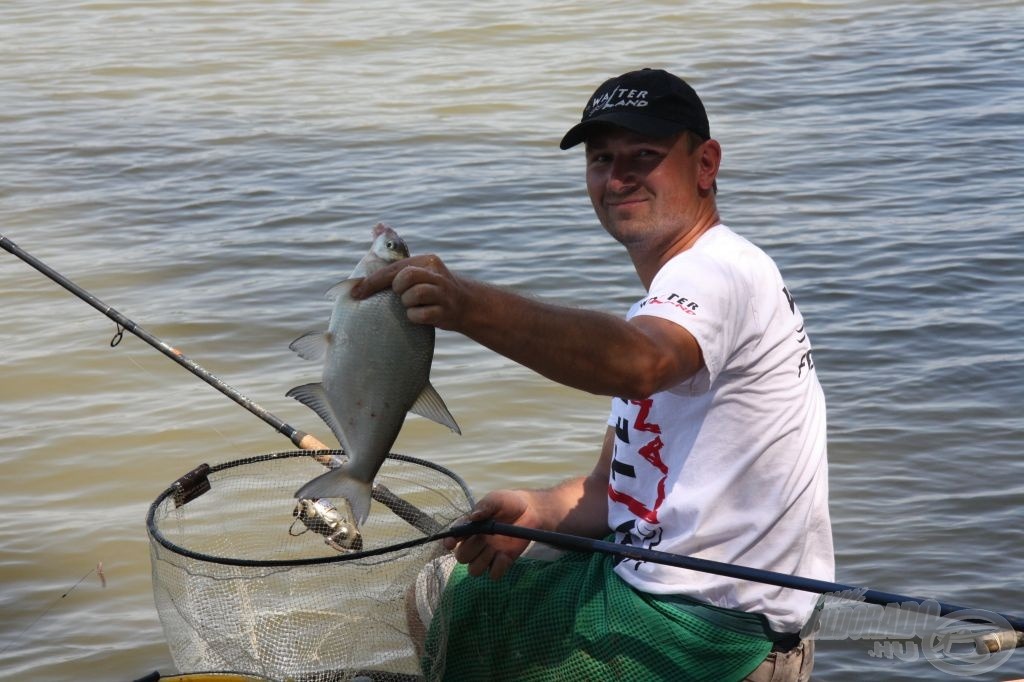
[238, 586]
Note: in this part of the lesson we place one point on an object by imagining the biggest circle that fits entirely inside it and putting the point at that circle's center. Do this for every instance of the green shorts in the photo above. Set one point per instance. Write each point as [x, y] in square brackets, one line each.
[575, 619]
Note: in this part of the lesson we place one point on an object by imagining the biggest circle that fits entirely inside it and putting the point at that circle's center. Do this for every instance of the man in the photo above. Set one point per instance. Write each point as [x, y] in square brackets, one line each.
[715, 444]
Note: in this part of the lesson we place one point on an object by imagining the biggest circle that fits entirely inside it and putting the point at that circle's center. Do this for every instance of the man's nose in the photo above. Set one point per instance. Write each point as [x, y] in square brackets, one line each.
[621, 174]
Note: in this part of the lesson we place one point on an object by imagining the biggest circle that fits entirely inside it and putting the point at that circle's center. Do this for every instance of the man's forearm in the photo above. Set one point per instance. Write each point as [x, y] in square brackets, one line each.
[577, 506]
[585, 349]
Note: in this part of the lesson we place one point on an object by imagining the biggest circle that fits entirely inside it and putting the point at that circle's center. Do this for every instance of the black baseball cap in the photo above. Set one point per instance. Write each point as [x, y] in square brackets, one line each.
[651, 102]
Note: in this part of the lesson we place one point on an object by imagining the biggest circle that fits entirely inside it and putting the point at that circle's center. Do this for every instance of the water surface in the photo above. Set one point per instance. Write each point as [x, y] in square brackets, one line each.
[210, 169]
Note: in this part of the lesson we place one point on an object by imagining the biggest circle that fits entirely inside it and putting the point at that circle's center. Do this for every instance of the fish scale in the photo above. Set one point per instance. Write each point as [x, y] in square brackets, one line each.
[383, 364]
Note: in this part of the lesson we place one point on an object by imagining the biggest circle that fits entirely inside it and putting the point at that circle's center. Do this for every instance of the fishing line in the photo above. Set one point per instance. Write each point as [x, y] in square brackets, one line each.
[98, 569]
[152, 375]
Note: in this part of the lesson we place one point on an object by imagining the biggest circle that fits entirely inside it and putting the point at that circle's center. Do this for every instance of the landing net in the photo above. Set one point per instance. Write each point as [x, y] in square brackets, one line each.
[241, 584]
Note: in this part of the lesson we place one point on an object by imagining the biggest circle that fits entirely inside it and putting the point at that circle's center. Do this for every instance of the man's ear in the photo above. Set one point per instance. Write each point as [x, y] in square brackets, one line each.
[709, 161]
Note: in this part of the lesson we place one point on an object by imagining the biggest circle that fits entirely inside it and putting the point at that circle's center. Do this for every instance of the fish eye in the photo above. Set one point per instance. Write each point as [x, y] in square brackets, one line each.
[390, 244]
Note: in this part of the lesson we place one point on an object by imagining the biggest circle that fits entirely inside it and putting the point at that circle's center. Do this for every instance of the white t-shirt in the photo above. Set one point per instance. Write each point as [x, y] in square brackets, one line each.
[730, 465]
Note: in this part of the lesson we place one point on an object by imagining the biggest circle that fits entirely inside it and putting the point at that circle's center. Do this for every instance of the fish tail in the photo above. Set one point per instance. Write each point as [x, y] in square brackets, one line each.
[339, 483]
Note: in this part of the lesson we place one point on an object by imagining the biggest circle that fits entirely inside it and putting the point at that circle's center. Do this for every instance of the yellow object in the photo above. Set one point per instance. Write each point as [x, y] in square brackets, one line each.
[215, 677]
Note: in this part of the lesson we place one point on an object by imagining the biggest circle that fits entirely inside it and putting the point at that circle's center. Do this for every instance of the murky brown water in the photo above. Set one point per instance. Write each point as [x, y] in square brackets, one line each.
[210, 169]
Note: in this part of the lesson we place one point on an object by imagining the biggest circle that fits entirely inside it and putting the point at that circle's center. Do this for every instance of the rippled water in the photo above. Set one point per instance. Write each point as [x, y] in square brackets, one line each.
[209, 169]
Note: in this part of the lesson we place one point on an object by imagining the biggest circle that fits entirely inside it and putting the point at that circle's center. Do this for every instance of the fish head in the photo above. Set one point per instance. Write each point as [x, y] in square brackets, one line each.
[387, 248]
[387, 245]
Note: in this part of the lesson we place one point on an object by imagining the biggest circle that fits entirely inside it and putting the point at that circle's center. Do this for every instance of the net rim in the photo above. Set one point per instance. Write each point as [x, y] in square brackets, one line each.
[157, 536]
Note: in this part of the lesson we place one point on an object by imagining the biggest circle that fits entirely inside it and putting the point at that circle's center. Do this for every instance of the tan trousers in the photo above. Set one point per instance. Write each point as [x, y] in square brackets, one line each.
[792, 666]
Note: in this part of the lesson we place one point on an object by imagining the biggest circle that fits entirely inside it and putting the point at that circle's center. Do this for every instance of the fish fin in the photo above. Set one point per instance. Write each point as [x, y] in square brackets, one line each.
[341, 288]
[312, 345]
[339, 483]
[313, 397]
[429, 404]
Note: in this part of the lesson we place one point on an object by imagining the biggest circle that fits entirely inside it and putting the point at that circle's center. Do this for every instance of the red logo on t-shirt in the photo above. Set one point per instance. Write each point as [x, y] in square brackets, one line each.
[651, 452]
[686, 305]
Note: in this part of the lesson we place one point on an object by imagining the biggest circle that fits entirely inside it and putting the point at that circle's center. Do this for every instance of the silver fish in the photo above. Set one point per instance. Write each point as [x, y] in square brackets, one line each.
[376, 369]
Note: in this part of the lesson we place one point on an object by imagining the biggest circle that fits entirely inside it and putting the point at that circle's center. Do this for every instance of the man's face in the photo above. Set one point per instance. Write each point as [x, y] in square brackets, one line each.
[642, 187]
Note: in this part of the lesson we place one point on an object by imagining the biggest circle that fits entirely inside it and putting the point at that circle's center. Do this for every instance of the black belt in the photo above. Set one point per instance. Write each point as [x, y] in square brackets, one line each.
[786, 643]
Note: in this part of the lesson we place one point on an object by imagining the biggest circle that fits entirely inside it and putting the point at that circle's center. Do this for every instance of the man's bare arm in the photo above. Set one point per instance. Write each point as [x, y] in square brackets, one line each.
[585, 349]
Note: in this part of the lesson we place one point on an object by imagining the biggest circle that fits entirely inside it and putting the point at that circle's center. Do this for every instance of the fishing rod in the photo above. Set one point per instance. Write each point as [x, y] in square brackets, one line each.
[631, 552]
[1010, 634]
[299, 438]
